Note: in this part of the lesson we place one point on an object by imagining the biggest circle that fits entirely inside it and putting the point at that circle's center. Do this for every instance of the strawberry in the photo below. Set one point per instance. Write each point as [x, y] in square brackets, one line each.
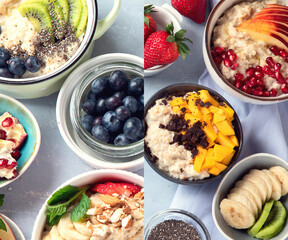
[110, 188]
[193, 9]
[149, 23]
[163, 47]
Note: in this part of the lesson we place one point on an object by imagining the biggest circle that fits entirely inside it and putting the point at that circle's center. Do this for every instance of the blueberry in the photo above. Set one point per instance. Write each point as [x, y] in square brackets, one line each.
[121, 140]
[99, 86]
[141, 105]
[97, 121]
[118, 80]
[112, 103]
[87, 118]
[136, 86]
[101, 133]
[141, 99]
[100, 106]
[92, 96]
[112, 123]
[89, 106]
[16, 66]
[32, 64]
[121, 95]
[123, 113]
[4, 72]
[4, 57]
[132, 128]
[131, 103]
[87, 126]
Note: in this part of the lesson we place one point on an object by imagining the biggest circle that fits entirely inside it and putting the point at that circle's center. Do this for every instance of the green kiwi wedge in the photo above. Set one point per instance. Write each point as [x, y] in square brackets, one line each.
[262, 219]
[83, 20]
[64, 6]
[75, 12]
[39, 16]
[274, 223]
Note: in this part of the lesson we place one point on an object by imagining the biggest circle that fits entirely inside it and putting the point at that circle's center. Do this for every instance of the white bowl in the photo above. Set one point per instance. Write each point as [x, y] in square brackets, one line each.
[162, 16]
[259, 161]
[82, 180]
[215, 73]
[15, 229]
[64, 120]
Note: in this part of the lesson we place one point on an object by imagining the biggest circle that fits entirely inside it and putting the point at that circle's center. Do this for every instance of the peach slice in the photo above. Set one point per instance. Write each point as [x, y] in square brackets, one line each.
[6, 235]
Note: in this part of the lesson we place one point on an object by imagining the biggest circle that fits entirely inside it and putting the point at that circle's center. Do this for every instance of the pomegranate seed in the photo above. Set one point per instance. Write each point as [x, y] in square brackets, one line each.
[227, 63]
[218, 50]
[11, 165]
[3, 163]
[252, 82]
[246, 89]
[266, 70]
[230, 52]
[218, 60]
[257, 91]
[279, 77]
[286, 59]
[266, 94]
[258, 74]
[250, 72]
[284, 88]
[273, 92]
[239, 76]
[260, 82]
[233, 57]
[15, 173]
[3, 134]
[234, 66]
[16, 154]
[283, 53]
[238, 84]
[274, 50]
[8, 122]
[223, 55]
[259, 69]
[270, 62]
[277, 67]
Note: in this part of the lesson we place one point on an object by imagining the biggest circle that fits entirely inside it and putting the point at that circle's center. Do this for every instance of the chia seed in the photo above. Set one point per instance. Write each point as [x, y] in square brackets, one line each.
[174, 230]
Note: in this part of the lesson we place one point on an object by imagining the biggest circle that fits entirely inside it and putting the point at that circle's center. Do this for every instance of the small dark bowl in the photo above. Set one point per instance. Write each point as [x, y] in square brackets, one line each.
[181, 90]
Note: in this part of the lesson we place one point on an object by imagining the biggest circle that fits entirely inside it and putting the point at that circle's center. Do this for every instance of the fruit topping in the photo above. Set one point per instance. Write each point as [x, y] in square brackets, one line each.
[150, 25]
[32, 64]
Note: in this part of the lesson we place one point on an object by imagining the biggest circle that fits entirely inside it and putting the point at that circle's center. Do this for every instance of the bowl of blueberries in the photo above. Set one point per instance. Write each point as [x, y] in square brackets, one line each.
[107, 110]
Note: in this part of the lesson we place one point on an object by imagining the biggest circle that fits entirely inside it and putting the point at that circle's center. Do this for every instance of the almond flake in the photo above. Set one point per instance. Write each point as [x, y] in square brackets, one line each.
[110, 200]
[127, 222]
[116, 215]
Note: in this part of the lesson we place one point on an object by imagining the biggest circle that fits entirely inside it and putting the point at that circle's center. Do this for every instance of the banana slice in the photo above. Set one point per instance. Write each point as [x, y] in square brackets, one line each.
[54, 234]
[265, 179]
[276, 185]
[241, 198]
[253, 190]
[67, 230]
[282, 175]
[236, 214]
[249, 197]
[47, 237]
[259, 183]
[85, 228]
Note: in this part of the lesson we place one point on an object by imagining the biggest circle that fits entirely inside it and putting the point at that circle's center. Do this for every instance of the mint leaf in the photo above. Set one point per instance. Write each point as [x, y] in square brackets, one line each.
[3, 225]
[1, 199]
[54, 211]
[63, 194]
[80, 210]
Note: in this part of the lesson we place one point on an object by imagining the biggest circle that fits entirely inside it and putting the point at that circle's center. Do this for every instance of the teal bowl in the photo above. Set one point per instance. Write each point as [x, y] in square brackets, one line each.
[31, 145]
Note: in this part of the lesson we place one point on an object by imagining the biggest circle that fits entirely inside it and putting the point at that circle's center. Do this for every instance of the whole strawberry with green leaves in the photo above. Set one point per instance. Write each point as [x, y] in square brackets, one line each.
[150, 25]
[164, 47]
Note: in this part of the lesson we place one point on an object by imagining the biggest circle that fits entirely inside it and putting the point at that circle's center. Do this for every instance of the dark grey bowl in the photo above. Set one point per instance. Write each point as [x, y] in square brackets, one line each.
[181, 90]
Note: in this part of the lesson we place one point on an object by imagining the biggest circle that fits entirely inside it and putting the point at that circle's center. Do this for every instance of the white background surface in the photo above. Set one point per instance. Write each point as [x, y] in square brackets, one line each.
[55, 162]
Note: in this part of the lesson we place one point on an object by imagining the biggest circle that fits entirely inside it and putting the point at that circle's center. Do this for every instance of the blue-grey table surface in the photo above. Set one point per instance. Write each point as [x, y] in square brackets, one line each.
[55, 162]
[159, 192]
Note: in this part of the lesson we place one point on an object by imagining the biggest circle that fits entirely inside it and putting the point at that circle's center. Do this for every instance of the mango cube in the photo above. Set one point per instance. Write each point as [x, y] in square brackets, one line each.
[225, 128]
[228, 159]
[178, 102]
[210, 132]
[194, 110]
[228, 111]
[234, 139]
[206, 97]
[218, 118]
[221, 166]
[199, 159]
[204, 110]
[209, 159]
[208, 118]
[224, 140]
[192, 119]
[214, 171]
[220, 152]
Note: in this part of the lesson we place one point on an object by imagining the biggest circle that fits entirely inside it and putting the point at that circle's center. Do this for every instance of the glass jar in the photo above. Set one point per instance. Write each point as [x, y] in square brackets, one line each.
[104, 151]
[177, 214]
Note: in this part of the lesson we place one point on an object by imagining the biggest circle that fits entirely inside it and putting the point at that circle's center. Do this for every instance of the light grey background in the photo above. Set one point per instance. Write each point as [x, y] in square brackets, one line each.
[159, 192]
[55, 162]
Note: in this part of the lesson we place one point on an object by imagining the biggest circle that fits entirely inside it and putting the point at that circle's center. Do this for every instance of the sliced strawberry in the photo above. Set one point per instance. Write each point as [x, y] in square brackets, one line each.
[111, 188]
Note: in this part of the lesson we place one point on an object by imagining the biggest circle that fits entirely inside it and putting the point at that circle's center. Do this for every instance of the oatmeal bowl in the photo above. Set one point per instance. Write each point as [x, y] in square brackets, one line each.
[192, 135]
[245, 48]
[42, 41]
[101, 204]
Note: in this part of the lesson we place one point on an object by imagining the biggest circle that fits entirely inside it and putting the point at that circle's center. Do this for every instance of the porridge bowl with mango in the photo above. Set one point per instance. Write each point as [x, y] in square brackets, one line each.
[193, 135]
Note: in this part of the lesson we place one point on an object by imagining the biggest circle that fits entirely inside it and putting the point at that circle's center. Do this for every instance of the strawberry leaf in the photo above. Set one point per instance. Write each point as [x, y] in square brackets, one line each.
[170, 39]
[3, 225]
[182, 53]
[187, 39]
[148, 9]
[146, 21]
[180, 34]
[170, 28]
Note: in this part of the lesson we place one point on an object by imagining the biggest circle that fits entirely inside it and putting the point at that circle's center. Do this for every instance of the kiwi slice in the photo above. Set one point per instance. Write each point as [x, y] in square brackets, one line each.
[83, 20]
[75, 12]
[39, 16]
[64, 6]
[262, 219]
[274, 223]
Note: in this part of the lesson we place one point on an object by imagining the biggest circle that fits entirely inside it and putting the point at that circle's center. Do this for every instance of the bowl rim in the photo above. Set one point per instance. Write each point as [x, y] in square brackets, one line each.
[14, 227]
[207, 50]
[74, 179]
[180, 211]
[37, 145]
[242, 161]
[151, 102]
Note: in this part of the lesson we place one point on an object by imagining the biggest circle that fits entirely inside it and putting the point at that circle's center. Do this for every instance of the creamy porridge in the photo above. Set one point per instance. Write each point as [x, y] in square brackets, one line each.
[241, 50]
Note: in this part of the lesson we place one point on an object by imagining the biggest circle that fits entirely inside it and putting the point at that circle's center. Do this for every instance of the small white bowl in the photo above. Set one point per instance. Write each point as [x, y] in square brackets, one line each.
[164, 15]
[258, 161]
[91, 177]
[15, 229]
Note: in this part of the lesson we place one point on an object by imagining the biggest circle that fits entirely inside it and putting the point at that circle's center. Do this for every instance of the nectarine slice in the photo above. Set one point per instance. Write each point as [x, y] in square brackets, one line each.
[6, 235]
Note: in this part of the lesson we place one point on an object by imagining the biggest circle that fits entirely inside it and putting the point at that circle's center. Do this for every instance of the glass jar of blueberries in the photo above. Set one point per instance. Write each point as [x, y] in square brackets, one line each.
[107, 111]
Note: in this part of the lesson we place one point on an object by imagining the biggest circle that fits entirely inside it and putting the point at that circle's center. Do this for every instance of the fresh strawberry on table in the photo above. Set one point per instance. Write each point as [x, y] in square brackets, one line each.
[120, 188]
[150, 25]
[193, 9]
[164, 47]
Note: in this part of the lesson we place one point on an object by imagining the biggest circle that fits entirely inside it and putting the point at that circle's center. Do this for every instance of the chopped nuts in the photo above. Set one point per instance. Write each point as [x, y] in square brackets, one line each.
[116, 215]
[110, 200]
[99, 210]
[102, 219]
[139, 195]
[126, 209]
[127, 222]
